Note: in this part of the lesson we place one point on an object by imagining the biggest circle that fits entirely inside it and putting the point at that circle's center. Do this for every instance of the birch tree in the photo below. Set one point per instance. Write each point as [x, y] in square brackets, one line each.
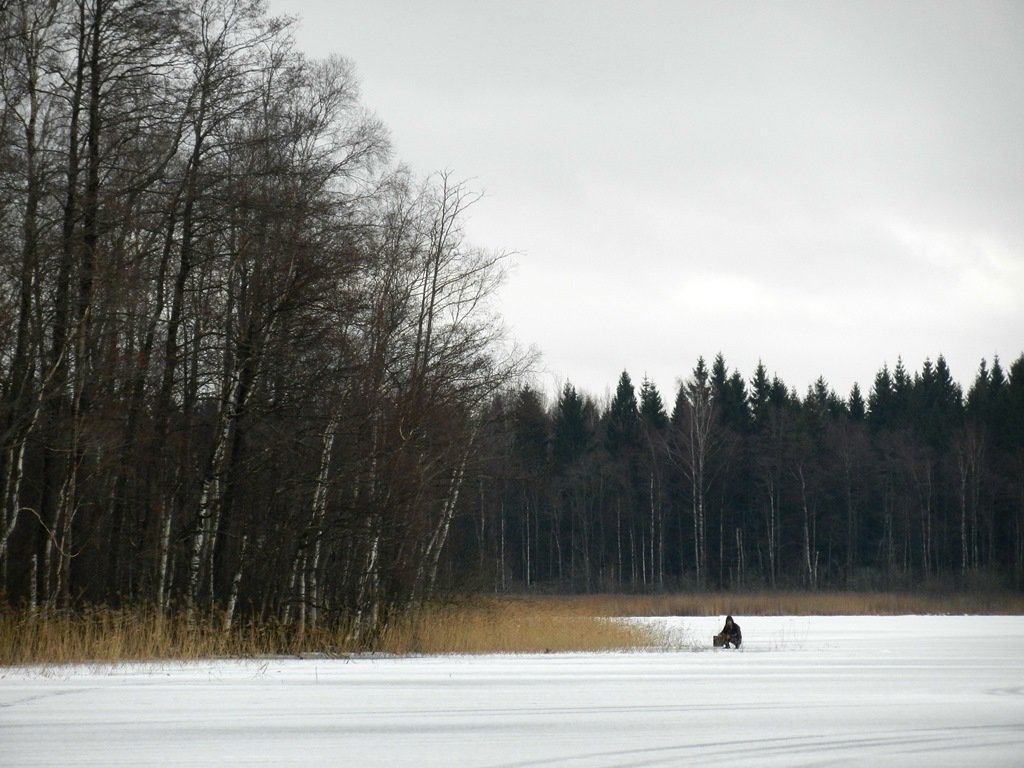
[694, 444]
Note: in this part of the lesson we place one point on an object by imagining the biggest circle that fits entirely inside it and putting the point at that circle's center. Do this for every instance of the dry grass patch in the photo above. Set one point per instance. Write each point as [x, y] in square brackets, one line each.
[768, 603]
[105, 636]
[513, 626]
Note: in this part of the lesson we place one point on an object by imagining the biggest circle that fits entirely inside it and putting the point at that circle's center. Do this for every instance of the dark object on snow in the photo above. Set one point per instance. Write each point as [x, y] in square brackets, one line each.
[730, 634]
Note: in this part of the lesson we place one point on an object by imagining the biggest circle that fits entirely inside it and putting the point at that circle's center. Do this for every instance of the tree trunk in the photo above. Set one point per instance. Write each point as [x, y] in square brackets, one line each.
[317, 518]
[810, 550]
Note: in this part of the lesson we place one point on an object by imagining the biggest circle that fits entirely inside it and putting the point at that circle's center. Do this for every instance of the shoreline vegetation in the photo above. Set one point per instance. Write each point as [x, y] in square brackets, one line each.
[511, 624]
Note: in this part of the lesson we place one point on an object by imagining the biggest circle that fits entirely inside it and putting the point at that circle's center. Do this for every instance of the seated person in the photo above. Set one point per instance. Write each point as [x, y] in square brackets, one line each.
[730, 634]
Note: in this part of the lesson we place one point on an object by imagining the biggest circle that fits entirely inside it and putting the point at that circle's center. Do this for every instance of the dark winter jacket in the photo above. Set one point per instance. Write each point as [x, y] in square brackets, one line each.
[731, 632]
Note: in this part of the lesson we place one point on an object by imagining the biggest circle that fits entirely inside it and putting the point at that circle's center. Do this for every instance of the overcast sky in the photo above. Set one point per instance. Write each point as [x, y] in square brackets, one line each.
[824, 186]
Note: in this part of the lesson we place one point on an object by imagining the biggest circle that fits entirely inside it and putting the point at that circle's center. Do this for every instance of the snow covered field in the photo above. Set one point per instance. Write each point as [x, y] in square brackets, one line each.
[928, 691]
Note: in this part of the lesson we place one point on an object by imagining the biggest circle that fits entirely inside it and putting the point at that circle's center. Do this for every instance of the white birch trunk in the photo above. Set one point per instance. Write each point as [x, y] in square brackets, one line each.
[229, 613]
[810, 562]
[771, 523]
[12, 502]
[318, 515]
[367, 604]
[292, 587]
[66, 509]
[432, 556]
[204, 538]
[163, 585]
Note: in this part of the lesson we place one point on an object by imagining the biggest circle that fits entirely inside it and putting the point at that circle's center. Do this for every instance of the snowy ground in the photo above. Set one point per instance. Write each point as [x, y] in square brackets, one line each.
[928, 691]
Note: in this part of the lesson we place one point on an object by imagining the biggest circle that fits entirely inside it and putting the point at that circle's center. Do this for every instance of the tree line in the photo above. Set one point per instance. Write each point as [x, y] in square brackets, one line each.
[747, 484]
[250, 370]
[242, 353]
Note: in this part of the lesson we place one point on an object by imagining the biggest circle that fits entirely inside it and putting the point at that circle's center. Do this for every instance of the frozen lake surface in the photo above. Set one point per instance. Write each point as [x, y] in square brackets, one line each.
[913, 690]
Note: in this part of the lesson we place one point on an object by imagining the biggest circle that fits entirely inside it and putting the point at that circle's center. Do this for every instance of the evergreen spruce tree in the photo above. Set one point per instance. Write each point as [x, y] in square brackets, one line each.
[855, 407]
[623, 421]
[760, 391]
[779, 395]
[679, 406]
[998, 393]
[881, 402]
[701, 394]
[572, 435]
[736, 403]
[950, 396]
[902, 392]
[827, 400]
[997, 380]
[985, 403]
[922, 396]
[652, 409]
[935, 404]
[1014, 408]
[978, 396]
[814, 409]
[730, 395]
[719, 376]
[530, 425]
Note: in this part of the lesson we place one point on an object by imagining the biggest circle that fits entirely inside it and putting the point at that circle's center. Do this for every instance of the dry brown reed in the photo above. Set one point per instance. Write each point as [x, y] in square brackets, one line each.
[104, 636]
[512, 626]
[780, 603]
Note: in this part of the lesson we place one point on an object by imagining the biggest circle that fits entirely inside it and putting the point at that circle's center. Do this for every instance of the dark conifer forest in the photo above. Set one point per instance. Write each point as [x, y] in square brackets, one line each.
[743, 484]
[250, 368]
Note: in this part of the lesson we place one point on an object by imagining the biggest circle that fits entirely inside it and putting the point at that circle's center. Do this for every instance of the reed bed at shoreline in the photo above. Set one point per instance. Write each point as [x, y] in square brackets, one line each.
[104, 636]
[513, 626]
[786, 603]
[509, 624]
